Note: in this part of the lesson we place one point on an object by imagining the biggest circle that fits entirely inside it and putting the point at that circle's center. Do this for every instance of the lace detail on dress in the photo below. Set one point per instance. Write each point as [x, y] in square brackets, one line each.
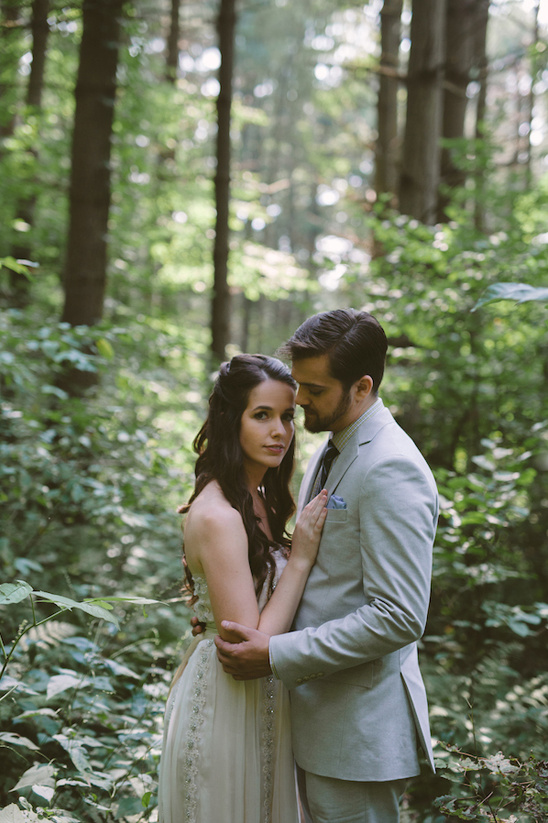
[202, 607]
[267, 744]
[191, 756]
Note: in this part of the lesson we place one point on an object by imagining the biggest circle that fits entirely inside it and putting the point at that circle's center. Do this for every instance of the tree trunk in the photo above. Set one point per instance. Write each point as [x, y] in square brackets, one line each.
[220, 310]
[482, 65]
[386, 167]
[25, 208]
[89, 197]
[10, 54]
[172, 56]
[459, 56]
[40, 33]
[535, 71]
[421, 151]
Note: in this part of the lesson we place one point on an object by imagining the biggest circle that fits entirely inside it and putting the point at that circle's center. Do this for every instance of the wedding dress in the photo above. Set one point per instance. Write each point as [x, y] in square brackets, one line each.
[226, 755]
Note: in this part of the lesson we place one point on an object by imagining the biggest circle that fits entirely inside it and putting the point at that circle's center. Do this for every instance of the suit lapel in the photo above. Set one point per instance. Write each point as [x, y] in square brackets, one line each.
[363, 435]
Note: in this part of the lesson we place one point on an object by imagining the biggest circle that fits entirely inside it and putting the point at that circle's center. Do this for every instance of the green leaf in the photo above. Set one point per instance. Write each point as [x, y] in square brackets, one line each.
[14, 592]
[10, 738]
[75, 750]
[41, 774]
[90, 607]
[19, 266]
[9, 683]
[61, 682]
[13, 814]
[104, 348]
[46, 792]
[518, 292]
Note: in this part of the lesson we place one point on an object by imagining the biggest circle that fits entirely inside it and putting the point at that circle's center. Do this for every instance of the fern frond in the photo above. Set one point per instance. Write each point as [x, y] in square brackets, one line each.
[48, 634]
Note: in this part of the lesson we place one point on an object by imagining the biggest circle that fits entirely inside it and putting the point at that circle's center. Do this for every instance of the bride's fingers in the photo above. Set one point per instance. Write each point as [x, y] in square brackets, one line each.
[317, 503]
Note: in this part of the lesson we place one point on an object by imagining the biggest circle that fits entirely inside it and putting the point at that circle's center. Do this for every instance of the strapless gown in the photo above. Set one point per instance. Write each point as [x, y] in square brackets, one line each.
[226, 755]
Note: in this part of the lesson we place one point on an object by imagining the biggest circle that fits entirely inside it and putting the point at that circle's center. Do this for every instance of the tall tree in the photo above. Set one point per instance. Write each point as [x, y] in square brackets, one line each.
[10, 27]
[535, 51]
[386, 168]
[482, 64]
[172, 50]
[421, 150]
[89, 197]
[459, 56]
[220, 310]
[22, 248]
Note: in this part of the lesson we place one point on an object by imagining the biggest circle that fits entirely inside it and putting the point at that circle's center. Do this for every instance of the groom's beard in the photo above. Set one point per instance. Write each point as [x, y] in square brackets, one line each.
[313, 422]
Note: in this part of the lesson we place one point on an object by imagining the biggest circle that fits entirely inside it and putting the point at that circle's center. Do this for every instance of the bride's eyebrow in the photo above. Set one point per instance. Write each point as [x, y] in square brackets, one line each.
[270, 408]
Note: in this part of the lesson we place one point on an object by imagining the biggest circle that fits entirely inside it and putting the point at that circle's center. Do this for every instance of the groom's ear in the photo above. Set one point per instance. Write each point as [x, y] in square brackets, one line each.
[364, 386]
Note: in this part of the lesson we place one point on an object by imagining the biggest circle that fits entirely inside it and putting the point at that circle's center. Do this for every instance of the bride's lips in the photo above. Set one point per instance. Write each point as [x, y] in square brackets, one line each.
[275, 449]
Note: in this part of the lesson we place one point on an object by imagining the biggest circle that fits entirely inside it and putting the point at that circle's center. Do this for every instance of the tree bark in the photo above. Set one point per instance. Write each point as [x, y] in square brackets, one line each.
[9, 59]
[530, 104]
[459, 56]
[40, 33]
[220, 310]
[89, 196]
[20, 292]
[172, 56]
[386, 166]
[482, 66]
[421, 152]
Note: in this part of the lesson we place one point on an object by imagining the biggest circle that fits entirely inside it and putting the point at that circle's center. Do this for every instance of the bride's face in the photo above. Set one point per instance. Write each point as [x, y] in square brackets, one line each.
[266, 428]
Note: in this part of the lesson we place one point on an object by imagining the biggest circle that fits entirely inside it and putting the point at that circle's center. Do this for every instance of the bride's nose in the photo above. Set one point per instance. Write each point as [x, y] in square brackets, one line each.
[278, 427]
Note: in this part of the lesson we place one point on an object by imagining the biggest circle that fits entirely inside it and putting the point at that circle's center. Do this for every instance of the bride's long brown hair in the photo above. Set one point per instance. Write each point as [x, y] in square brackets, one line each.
[220, 458]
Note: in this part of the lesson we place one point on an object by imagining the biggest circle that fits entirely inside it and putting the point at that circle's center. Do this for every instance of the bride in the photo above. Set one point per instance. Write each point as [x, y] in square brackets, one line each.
[226, 754]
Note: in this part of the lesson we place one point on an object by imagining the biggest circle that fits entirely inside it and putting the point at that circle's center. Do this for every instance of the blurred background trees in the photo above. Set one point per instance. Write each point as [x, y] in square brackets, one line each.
[385, 155]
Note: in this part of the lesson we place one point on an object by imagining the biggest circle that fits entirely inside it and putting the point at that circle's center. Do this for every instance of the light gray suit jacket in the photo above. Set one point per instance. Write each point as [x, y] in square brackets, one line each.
[358, 703]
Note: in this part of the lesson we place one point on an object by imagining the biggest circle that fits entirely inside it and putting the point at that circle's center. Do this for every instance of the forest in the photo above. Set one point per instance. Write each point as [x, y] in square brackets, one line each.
[183, 180]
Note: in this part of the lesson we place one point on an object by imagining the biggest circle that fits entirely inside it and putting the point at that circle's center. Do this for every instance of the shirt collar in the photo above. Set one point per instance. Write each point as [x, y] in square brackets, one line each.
[340, 439]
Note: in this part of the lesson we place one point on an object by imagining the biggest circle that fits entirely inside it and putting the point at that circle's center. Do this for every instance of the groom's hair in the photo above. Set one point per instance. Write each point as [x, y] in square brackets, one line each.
[354, 341]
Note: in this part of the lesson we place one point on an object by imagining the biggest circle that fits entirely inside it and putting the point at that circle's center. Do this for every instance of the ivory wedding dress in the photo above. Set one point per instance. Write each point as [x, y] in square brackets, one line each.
[226, 754]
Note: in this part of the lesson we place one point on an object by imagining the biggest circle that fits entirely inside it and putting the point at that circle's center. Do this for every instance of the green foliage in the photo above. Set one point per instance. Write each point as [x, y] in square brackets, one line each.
[494, 788]
[83, 714]
[89, 486]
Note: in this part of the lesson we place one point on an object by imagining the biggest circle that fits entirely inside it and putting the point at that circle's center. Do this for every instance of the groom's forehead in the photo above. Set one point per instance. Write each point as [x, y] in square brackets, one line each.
[313, 371]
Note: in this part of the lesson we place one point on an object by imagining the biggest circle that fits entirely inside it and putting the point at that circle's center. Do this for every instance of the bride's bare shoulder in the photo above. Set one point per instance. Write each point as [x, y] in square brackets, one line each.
[212, 527]
[211, 511]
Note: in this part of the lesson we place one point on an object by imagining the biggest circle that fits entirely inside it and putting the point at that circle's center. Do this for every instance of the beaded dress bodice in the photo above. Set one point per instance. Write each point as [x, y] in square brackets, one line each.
[202, 607]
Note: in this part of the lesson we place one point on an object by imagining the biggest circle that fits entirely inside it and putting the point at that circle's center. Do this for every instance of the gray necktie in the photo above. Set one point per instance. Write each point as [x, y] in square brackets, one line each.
[328, 456]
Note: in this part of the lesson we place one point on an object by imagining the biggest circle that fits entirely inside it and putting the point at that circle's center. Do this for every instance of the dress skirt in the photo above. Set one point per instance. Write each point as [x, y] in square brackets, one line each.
[227, 755]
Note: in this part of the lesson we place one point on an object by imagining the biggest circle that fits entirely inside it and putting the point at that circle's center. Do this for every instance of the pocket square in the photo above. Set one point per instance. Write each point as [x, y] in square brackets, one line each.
[336, 502]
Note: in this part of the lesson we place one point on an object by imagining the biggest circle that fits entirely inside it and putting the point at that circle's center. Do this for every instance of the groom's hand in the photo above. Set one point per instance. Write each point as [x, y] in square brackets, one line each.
[246, 658]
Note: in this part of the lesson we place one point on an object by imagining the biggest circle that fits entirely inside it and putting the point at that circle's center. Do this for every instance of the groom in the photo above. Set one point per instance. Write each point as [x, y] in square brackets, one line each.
[358, 703]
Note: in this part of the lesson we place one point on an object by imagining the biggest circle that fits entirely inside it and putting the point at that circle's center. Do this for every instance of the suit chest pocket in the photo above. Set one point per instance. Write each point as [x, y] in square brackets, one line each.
[336, 515]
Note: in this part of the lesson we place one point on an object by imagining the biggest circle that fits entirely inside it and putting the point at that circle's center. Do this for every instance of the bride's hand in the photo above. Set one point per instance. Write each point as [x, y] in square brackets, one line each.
[308, 530]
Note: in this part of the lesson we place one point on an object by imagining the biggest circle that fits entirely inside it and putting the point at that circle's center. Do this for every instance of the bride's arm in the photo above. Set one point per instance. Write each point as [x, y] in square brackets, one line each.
[279, 612]
[216, 538]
